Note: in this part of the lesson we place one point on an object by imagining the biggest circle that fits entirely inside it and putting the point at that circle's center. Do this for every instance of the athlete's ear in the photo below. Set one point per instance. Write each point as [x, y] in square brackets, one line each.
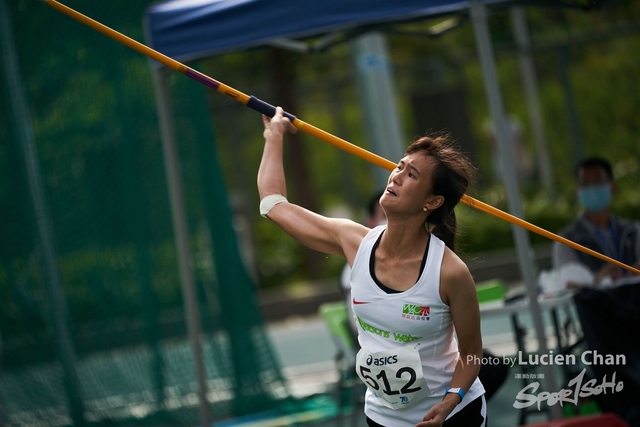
[434, 202]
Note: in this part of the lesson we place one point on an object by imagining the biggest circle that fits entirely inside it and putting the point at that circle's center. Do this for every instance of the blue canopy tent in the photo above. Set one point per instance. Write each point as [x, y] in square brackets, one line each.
[193, 29]
[189, 30]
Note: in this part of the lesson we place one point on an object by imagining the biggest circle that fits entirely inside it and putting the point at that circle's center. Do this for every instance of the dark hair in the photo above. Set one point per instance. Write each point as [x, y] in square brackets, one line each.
[595, 162]
[450, 179]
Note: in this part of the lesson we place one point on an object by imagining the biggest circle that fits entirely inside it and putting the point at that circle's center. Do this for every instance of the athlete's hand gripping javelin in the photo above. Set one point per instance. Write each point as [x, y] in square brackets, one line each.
[278, 124]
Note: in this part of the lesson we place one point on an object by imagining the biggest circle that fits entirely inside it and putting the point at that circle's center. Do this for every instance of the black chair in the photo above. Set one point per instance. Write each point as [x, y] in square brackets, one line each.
[610, 319]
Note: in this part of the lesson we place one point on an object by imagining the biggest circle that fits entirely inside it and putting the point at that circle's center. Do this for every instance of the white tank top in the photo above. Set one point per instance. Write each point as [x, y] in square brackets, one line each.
[414, 319]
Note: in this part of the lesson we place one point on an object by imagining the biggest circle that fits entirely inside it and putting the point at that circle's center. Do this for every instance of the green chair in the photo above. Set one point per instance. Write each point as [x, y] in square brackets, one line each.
[336, 317]
[491, 290]
[349, 388]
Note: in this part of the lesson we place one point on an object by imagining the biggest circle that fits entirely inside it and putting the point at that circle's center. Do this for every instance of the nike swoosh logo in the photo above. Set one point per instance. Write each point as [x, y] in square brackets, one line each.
[359, 302]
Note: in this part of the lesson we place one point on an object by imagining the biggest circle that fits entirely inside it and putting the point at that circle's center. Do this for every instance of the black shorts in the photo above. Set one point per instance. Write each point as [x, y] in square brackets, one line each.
[472, 415]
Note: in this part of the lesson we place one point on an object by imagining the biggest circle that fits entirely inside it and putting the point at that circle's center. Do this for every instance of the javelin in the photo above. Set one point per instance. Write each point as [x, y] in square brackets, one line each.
[269, 110]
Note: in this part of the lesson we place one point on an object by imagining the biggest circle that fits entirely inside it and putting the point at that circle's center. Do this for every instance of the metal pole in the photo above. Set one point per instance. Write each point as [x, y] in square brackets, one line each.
[528, 71]
[180, 229]
[572, 109]
[44, 226]
[504, 139]
[375, 81]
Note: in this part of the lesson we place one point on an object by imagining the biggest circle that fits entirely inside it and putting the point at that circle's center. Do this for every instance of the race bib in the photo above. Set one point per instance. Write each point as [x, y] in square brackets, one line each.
[393, 376]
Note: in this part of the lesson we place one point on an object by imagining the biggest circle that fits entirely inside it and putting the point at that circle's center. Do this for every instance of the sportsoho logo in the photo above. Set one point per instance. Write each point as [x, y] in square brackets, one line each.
[578, 387]
[416, 312]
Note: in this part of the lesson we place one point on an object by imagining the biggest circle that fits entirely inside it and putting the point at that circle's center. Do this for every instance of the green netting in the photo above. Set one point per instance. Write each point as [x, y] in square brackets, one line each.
[98, 335]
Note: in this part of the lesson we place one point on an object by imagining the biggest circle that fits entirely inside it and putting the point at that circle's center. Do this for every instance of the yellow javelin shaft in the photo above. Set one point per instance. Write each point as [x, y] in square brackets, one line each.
[268, 109]
[477, 204]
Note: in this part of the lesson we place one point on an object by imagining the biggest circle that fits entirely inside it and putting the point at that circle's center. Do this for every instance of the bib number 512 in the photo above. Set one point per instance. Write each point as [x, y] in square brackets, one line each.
[386, 387]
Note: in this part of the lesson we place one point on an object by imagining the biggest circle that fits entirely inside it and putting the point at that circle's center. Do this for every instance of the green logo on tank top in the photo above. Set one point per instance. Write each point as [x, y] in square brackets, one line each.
[386, 334]
[367, 327]
[416, 310]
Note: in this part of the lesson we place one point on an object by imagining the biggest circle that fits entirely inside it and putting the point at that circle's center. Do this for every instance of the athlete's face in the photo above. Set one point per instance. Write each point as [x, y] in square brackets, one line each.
[409, 186]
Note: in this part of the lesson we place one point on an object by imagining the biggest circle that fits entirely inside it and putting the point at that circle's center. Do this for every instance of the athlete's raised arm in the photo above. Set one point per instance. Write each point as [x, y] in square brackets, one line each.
[328, 235]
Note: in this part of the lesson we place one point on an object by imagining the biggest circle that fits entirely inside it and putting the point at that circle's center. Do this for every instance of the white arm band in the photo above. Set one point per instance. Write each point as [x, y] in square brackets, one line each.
[268, 202]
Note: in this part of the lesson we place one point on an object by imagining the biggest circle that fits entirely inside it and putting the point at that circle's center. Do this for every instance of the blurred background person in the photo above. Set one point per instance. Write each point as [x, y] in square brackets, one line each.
[597, 227]
[522, 157]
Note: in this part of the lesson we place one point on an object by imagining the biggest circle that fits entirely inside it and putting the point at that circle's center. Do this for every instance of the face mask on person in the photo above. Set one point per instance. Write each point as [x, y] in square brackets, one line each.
[595, 198]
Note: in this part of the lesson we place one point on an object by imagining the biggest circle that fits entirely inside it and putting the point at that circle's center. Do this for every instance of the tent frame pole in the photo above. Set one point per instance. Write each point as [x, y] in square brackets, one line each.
[530, 81]
[505, 147]
[180, 229]
[373, 65]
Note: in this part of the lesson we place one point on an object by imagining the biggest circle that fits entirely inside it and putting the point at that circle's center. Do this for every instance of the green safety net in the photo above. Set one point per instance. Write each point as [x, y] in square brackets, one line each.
[92, 319]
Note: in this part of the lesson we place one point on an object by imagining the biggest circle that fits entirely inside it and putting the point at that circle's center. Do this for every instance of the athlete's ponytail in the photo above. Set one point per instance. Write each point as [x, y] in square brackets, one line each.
[450, 179]
[447, 231]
